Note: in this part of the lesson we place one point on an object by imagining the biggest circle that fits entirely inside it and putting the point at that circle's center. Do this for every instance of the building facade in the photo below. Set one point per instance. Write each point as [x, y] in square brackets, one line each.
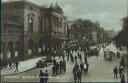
[29, 30]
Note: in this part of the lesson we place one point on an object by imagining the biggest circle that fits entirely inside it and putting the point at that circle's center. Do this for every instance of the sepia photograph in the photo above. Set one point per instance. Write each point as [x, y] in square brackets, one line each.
[64, 41]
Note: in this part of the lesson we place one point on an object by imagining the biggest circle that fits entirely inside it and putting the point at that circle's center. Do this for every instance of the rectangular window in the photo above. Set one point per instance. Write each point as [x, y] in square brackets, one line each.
[30, 25]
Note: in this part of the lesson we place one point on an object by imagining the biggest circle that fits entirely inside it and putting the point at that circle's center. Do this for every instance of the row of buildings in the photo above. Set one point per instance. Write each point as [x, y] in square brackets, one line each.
[29, 30]
[80, 33]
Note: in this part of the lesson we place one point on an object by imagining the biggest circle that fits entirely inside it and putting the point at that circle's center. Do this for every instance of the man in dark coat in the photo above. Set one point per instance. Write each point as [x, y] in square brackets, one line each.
[46, 76]
[85, 58]
[75, 58]
[64, 66]
[122, 79]
[81, 66]
[75, 73]
[61, 66]
[97, 53]
[17, 65]
[115, 71]
[41, 76]
[87, 66]
[79, 75]
[118, 54]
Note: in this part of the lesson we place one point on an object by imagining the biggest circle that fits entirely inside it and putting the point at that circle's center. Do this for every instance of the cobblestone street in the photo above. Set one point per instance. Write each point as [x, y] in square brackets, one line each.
[100, 70]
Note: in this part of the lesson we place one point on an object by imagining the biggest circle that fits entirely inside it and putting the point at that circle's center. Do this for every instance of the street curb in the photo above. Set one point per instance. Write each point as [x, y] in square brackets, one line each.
[19, 72]
[22, 71]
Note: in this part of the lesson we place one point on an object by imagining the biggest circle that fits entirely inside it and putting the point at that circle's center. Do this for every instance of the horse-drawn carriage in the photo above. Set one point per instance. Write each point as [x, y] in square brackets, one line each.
[109, 55]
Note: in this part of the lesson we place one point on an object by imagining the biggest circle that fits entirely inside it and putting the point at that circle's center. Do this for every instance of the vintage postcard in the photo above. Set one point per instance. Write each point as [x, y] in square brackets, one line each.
[64, 41]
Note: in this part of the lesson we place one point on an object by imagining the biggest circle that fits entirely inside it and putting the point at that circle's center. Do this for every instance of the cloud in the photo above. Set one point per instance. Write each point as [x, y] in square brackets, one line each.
[107, 12]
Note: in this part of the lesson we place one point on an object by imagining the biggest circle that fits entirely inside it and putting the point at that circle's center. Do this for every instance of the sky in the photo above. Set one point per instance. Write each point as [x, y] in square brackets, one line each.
[108, 13]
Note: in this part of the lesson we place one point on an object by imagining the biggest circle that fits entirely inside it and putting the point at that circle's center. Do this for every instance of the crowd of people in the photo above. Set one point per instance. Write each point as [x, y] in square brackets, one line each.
[119, 70]
[44, 76]
[13, 64]
[58, 67]
[79, 57]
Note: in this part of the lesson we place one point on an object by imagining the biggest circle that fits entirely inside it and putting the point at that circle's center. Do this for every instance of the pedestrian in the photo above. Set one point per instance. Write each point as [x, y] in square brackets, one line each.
[79, 75]
[75, 74]
[81, 67]
[64, 66]
[41, 76]
[16, 66]
[80, 57]
[97, 53]
[75, 58]
[57, 68]
[68, 56]
[122, 79]
[115, 71]
[61, 65]
[120, 71]
[87, 66]
[85, 59]
[63, 56]
[118, 54]
[46, 76]
[53, 70]
[77, 66]
[10, 63]
[114, 54]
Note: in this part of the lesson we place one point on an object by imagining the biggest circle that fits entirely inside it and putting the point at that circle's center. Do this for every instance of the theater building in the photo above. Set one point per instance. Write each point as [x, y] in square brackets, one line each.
[28, 30]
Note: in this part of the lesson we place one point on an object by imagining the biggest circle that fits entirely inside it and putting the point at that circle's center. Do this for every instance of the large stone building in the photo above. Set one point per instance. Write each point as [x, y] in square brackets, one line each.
[29, 30]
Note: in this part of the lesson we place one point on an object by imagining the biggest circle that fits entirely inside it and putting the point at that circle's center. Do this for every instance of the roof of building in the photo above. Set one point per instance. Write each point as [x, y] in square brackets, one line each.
[21, 1]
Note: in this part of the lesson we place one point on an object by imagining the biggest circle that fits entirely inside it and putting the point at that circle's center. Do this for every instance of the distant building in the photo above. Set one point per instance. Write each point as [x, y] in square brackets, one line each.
[111, 33]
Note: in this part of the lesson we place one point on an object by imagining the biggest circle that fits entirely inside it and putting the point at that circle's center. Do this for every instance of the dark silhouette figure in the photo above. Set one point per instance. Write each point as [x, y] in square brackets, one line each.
[46, 75]
[122, 79]
[115, 71]
[41, 76]
[87, 67]
[81, 67]
[17, 65]
[120, 71]
[75, 73]
[118, 54]
[64, 66]
[75, 58]
[79, 75]
[85, 59]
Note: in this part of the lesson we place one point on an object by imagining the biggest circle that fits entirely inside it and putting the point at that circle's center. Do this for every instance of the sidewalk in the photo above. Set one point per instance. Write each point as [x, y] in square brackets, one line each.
[23, 66]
